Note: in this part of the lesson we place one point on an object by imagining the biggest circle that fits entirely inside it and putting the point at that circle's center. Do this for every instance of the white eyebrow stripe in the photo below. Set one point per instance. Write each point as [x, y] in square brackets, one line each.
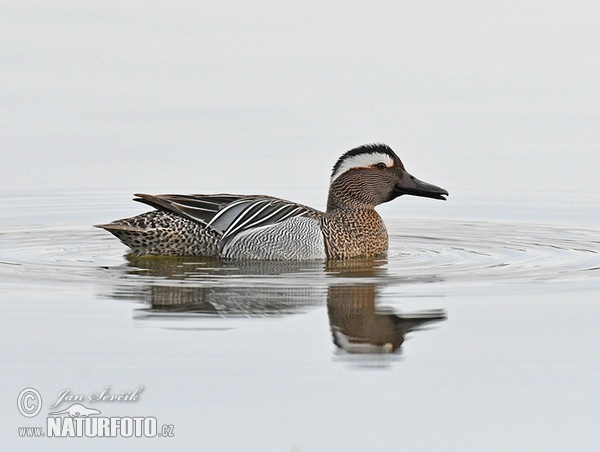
[363, 161]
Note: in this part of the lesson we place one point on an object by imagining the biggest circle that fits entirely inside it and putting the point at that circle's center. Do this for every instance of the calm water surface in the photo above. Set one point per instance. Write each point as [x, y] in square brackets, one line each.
[469, 335]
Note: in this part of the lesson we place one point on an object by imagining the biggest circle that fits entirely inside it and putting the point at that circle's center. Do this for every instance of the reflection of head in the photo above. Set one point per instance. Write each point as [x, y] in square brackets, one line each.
[357, 328]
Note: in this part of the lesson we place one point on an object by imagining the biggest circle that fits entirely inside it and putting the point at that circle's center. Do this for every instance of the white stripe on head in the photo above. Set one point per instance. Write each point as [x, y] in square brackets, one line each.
[362, 161]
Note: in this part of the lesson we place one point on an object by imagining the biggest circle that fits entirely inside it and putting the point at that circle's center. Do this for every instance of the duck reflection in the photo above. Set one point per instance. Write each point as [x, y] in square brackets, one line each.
[357, 324]
[210, 287]
[358, 327]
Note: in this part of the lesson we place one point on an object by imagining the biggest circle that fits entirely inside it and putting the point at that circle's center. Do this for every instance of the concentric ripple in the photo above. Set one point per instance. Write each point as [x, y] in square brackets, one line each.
[495, 252]
[477, 252]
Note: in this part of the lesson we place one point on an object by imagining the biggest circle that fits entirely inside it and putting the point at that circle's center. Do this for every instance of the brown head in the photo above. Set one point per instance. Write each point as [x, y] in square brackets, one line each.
[373, 174]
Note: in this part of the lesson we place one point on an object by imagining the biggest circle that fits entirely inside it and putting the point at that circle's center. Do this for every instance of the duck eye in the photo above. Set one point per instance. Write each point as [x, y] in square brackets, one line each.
[381, 165]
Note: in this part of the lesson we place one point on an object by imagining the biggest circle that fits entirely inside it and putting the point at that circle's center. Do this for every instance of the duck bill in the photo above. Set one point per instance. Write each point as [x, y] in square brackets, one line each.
[410, 185]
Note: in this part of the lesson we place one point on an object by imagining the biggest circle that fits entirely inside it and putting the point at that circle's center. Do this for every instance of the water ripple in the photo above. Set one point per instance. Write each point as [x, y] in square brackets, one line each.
[476, 252]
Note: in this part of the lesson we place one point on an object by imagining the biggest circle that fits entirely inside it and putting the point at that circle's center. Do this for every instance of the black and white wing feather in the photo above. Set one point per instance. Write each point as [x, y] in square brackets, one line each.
[229, 214]
[200, 208]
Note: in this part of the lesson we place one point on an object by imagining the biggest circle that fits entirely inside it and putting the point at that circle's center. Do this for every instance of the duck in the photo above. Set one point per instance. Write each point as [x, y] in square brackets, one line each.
[259, 227]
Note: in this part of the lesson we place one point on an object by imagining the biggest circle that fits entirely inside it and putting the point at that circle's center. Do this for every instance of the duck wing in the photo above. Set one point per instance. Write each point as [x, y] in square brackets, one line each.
[229, 214]
[201, 208]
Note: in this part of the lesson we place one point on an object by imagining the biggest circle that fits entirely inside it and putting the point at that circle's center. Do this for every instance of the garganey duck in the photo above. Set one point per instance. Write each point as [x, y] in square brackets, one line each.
[263, 227]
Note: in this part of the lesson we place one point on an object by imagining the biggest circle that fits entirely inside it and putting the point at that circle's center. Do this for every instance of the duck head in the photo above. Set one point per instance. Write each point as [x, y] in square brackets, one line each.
[373, 174]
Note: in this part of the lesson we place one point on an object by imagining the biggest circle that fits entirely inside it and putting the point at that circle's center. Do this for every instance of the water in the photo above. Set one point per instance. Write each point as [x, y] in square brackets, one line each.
[471, 334]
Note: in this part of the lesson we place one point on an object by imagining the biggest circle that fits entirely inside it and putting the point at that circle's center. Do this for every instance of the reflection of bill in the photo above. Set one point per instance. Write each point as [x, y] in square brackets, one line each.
[357, 327]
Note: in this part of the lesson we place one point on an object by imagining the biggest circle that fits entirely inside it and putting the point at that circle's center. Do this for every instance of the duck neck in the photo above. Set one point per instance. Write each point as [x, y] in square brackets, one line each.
[352, 231]
[342, 198]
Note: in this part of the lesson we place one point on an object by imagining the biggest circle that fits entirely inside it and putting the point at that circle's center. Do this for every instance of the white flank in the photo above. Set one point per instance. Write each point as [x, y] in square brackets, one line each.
[362, 161]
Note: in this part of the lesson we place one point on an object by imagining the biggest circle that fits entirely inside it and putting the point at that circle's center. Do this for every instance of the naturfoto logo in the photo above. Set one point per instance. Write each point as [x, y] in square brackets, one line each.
[75, 419]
